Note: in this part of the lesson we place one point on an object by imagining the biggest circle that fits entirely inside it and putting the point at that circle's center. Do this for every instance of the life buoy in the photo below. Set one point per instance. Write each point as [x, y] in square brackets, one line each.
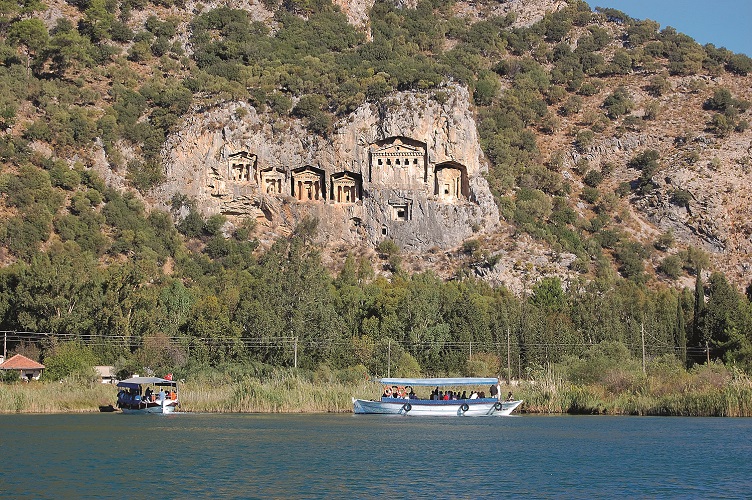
[407, 407]
[388, 391]
[498, 406]
[401, 391]
[464, 407]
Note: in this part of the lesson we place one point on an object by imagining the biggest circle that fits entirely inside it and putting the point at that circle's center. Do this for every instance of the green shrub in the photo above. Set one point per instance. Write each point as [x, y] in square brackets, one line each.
[593, 178]
[584, 139]
[681, 197]
[469, 247]
[590, 194]
[741, 64]
[388, 248]
[671, 266]
[618, 103]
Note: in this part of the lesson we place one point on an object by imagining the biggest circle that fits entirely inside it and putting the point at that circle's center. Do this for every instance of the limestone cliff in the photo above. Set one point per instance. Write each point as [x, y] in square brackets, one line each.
[409, 169]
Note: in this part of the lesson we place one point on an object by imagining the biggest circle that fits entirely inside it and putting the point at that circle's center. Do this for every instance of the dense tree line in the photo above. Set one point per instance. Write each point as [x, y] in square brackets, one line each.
[242, 305]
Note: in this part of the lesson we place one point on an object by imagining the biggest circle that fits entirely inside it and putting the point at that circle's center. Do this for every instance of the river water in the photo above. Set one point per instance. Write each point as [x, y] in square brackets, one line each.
[370, 456]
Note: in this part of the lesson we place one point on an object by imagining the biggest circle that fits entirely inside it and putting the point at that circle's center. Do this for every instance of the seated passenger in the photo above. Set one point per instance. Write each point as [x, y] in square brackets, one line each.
[474, 395]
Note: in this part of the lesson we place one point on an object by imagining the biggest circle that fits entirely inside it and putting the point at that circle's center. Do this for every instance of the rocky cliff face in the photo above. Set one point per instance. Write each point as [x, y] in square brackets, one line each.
[409, 169]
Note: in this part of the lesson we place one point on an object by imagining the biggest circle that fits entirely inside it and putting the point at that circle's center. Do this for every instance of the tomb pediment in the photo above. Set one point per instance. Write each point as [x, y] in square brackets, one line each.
[398, 148]
[272, 180]
[241, 166]
[308, 183]
[242, 155]
[346, 187]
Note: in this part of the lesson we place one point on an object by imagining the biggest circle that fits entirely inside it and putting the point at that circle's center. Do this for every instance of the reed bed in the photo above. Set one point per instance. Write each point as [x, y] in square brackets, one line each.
[706, 391]
[276, 395]
[55, 397]
[731, 400]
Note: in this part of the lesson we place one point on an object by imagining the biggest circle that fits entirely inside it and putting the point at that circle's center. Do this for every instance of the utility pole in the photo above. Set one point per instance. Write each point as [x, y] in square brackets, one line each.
[5, 346]
[471, 351]
[389, 360]
[519, 367]
[707, 351]
[509, 369]
[295, 357]
[642, 331]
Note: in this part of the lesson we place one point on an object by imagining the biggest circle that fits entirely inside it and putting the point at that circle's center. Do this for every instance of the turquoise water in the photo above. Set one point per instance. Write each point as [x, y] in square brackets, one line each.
[370, 456]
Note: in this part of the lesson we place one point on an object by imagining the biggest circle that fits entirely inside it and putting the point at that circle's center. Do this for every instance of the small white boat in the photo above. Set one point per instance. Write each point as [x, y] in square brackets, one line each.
[148, 395]
[407, 403]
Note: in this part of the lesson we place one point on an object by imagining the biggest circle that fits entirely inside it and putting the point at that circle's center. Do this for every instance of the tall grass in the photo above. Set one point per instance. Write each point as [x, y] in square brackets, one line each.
[709, 390]
[288, 395]
[54, 397]
[712, 390]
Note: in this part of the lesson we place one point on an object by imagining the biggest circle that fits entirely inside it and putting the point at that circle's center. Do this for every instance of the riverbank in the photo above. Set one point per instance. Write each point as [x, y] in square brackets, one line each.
[707, 393]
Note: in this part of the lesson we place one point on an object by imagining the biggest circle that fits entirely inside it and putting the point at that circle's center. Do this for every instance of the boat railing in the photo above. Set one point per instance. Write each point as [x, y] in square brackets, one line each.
[438, 401]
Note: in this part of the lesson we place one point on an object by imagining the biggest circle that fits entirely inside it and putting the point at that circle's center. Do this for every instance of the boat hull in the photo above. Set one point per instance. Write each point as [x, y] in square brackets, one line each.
[426, 407]
[157, 409]
[507, 407]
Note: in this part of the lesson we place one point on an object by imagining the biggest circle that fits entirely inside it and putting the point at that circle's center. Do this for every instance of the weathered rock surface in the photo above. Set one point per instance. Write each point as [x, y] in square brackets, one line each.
[438, 200]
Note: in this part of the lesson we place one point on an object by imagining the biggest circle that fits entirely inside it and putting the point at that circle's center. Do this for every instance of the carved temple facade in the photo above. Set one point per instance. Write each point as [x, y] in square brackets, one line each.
[394, 163]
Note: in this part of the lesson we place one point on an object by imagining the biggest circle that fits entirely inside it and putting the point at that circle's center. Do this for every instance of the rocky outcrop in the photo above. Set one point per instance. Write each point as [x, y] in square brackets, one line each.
[409, 169]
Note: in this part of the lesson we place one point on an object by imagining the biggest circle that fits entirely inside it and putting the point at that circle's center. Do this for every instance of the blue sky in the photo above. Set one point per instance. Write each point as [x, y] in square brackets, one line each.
[724, 23]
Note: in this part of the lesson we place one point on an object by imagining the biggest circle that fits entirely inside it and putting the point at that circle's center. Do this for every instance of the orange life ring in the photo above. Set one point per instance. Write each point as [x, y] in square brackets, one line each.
[401, 391]
[387, 391]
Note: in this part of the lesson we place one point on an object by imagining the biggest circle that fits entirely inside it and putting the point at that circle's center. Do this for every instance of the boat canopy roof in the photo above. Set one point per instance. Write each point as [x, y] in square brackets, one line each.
[135, 382]
[441, 381]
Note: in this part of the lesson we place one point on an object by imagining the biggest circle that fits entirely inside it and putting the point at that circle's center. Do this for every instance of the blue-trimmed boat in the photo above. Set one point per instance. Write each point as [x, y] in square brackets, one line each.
[405, 402]
[148, 395]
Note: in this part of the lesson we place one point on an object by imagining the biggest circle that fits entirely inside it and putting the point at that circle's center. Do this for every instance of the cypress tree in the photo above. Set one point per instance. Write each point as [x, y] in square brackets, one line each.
[680, 335]
[699, 308]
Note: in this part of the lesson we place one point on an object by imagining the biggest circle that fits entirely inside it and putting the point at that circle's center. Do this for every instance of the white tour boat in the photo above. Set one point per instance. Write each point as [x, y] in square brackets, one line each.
[148, 395]
[405, 402]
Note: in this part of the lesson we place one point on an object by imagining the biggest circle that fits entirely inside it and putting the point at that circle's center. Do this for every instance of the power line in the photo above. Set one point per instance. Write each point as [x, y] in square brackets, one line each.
[285, 341]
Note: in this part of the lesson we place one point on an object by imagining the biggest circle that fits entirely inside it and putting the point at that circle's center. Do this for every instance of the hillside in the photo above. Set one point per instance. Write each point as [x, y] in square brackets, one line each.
[150, 148]
[667, 80]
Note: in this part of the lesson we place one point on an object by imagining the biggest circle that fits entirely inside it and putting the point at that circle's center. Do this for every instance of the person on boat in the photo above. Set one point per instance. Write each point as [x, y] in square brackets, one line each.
[412, 395]
[161, 394]
[510, 397]
[494, 391]
[148, 393]
[474, 395]
[464, 395]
